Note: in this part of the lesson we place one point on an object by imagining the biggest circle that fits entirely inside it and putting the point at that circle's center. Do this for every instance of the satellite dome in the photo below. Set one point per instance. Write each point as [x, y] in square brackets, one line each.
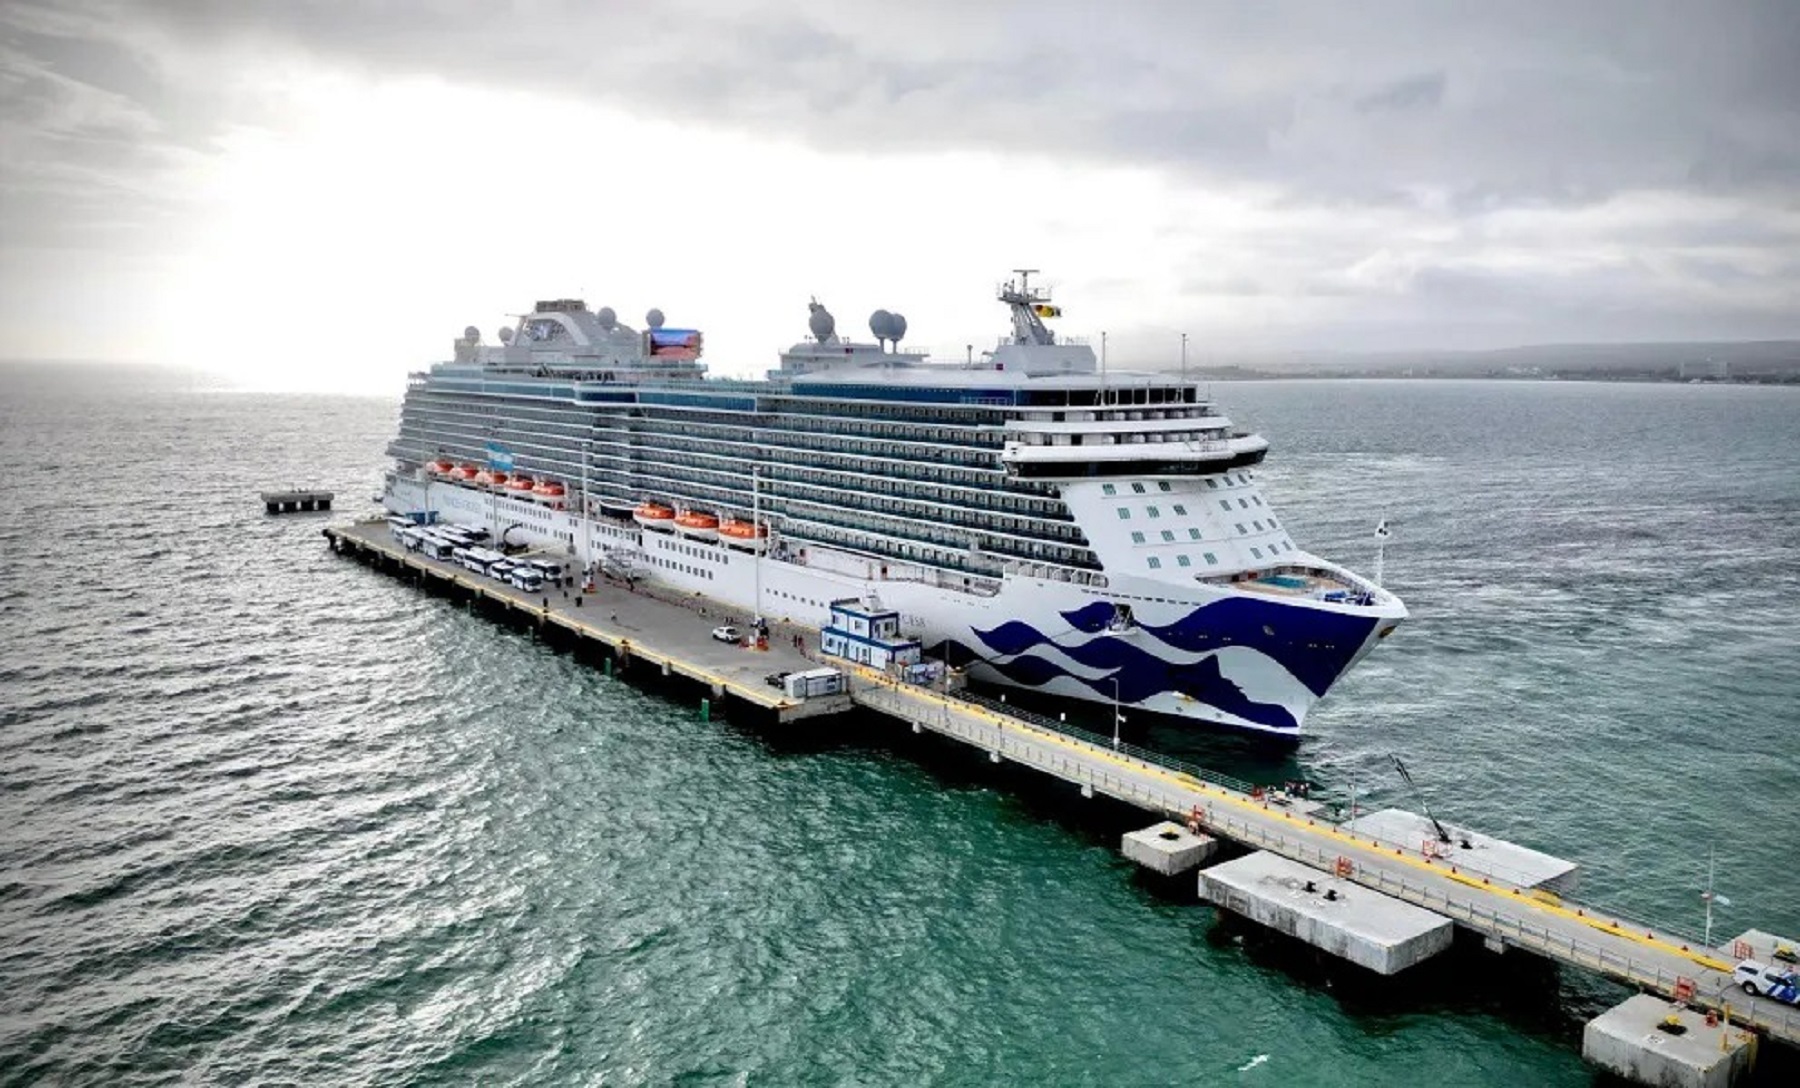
[608, 319]
[471, 333]
[506, 334]
[880, 323]
[896, 326]
[821, 322]
[654, 318]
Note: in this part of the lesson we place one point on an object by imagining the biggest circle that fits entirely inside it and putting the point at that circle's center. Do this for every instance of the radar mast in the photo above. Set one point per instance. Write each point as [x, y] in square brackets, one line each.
[1029, 307]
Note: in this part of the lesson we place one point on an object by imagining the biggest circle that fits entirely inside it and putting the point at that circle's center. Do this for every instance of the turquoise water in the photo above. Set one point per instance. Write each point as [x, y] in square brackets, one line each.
[274, 818]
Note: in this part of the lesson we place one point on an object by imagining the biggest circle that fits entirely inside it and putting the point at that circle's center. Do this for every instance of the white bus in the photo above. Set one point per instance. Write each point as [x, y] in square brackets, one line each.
[549, 568]
[526, 578]
[478, 559]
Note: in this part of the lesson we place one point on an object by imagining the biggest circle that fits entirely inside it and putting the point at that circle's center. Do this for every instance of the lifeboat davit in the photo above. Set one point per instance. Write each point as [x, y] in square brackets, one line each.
[694, 523]
[654, 515]
[742, 534]
[465, 471]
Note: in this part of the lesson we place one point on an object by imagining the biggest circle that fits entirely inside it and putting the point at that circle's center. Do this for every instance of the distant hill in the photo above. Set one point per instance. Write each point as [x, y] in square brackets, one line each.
[1748, 361]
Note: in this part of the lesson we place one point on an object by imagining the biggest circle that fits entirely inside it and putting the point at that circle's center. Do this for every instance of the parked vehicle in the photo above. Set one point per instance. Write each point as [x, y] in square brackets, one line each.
[726, 634]
[1771, 981]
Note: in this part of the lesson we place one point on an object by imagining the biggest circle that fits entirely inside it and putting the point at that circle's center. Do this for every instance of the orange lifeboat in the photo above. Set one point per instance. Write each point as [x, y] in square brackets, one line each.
[465, 471]
[484, 478]
[654, 515]
[441, 467]
[550, 493]
[499, 477]
[698, 524]
[743, 534]
[519, 483]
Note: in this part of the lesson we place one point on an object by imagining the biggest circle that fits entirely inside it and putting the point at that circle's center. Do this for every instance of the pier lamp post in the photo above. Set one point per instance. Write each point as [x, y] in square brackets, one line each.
[1117, 717]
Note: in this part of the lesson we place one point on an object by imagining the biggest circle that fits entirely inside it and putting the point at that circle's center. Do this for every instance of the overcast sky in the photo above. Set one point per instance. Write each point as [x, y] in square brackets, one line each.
[323, 194]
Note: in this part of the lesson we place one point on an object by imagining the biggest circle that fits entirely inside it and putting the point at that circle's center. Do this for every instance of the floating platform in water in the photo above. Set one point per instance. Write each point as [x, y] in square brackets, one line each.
[294, 500]
[1648, 1040]
[1345, 919]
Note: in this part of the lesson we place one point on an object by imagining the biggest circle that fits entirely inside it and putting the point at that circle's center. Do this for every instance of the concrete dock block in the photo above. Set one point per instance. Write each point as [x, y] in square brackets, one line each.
[1347, 920]
[1468, 851]
[1626, 1041]
[1166, 848]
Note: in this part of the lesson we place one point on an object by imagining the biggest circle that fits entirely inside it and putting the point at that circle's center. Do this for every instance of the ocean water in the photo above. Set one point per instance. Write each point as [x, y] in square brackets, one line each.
[268, 817]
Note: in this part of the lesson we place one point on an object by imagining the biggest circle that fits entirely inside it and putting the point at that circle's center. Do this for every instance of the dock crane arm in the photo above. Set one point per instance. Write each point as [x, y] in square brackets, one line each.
[1443, 836]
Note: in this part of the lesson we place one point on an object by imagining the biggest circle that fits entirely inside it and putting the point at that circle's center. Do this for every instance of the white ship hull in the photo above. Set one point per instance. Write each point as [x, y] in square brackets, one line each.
[1218, 655]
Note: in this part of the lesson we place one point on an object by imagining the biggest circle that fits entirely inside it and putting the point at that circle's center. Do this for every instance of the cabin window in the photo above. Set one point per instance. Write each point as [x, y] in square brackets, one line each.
[1256, 552]
[1109, 489]
[1240, 528]
[1155, 563]
[1258, 525]
[1124, 513]
[1225, 505]
[1139, 488]
[1137, 538]
[1193, 534]
[1163, 484]
[1211, 559]
[1153, 511]
[1182, 560]
[1243, 505]
[1169, 535]
[1180, 510]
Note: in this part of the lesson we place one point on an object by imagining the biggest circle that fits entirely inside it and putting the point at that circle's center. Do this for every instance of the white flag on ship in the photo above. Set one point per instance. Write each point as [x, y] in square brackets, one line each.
[1381, 530]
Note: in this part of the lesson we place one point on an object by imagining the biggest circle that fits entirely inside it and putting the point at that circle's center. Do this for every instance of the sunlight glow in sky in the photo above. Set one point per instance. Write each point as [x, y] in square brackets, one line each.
[320, 195]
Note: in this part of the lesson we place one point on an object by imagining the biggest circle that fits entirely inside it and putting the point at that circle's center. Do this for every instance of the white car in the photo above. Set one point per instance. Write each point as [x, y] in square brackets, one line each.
[726, 634]
[1776, 982]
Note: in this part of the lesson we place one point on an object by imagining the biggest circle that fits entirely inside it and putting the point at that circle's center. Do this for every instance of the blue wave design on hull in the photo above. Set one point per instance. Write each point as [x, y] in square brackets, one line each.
[1315, 645]
[1091, 619]
[1140, 676]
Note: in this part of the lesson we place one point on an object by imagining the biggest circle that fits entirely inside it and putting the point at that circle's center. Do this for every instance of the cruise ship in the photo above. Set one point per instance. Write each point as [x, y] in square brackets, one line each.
[1035, 519]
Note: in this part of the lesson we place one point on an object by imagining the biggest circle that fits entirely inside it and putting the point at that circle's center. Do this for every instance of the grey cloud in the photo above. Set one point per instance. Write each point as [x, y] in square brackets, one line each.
[1414, 92]
[1370, 110]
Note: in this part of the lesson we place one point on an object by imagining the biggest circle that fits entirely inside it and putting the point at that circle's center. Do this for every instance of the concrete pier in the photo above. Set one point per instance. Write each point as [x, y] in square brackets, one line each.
[1168, 848]
[294, 500]
[1345, 919]
[641, 635]
[637, 636]
[1629, 1040]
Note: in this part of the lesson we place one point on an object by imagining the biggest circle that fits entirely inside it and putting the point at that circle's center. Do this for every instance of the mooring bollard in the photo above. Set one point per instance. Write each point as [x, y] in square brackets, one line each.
[705, 710]
[609, 666]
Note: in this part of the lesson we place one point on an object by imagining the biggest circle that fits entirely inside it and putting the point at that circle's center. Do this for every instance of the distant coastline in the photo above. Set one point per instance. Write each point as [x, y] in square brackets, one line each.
[1762, 362]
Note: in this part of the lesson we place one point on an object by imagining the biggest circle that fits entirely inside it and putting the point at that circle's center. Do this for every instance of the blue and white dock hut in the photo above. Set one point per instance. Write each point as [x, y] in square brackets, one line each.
[869, 636]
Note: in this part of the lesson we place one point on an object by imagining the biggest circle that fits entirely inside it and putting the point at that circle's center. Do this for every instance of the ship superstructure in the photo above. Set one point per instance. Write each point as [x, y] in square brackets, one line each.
[1032, 517]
